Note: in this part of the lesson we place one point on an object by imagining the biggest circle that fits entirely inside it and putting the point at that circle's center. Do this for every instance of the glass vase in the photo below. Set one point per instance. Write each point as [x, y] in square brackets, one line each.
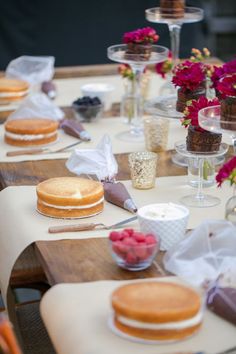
[230, 209]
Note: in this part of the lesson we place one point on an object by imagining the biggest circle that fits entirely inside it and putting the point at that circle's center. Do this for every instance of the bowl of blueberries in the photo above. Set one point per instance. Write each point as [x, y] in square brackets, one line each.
[88, 108]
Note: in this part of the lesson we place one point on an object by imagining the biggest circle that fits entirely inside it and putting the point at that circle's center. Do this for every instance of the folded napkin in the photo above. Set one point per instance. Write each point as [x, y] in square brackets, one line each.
[100, 162]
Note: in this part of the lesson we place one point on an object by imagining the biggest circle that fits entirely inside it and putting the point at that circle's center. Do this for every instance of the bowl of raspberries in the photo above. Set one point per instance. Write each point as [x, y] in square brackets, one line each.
[88, 108]
[133, 250]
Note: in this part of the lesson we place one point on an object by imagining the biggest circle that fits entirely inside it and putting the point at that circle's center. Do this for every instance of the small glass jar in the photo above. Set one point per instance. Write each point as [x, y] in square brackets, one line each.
[156, 134]
[143, 167]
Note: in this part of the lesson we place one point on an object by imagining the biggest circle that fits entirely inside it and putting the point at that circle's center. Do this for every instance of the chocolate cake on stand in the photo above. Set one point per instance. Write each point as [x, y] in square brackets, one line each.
[172, 8]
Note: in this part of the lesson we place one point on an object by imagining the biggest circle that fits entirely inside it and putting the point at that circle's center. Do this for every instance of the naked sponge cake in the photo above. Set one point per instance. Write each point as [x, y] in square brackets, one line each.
[30, 132]
[12, 90]
[70, 197]
[157, 310]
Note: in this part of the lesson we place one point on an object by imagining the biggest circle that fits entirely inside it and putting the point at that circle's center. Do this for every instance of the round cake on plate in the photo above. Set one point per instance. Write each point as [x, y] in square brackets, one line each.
[70, 197]
[159, 311]
[30, 132]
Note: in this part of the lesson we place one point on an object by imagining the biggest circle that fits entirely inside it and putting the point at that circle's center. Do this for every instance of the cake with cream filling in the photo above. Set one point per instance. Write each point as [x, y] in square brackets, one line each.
[172, 8]
[157, 310]
[12, 90]
[70, 197]
[30, 132]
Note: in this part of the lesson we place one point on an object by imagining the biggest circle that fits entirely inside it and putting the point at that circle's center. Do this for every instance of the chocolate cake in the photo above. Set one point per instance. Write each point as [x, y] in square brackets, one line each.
[222, 301]
[172, 8]
[188, 95]
[202, 141]
[143, 51]
[228, 113]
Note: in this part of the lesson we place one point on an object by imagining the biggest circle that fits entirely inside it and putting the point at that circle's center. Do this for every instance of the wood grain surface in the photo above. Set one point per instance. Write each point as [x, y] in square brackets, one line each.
[87, 260]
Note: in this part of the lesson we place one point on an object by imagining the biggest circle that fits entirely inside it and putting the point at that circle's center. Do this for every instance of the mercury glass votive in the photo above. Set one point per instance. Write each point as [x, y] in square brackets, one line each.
[156, 134]
[143, 167]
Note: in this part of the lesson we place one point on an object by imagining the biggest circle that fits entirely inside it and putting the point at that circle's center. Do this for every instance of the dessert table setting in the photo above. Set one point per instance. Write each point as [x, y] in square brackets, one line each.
[119, 180]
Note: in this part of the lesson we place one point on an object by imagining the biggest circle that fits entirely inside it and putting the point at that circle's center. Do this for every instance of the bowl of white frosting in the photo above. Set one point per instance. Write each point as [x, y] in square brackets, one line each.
[168, 221]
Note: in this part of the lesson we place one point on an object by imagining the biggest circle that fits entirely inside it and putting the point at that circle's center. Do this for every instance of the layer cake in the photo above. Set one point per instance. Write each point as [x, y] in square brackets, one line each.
[30, 132]
[157, 310]
[70, 197]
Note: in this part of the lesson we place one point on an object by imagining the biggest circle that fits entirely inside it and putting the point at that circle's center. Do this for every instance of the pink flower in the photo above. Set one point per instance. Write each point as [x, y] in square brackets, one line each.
[227, 172]
[227, 86]
[189, 75]
[225, 69]
[191, 112]
[141, 36]
[165, 67]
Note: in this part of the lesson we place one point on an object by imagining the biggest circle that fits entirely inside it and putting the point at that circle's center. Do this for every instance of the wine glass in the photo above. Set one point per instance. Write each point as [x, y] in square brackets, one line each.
[137, 62]
[199, 199]
[210, 119]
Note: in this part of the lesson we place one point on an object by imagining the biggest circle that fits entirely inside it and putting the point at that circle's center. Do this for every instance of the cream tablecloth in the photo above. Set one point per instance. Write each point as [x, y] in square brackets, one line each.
[76, 317]
[110, 126]
[21, 225]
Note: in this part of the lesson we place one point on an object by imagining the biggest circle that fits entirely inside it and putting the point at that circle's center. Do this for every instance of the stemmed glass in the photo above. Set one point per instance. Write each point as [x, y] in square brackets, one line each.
[210, 119]
[137, 62]
[199, 199]
[166, 104]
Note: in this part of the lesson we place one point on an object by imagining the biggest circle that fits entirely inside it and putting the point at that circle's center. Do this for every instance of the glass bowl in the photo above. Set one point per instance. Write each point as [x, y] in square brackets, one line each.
[132, 256]
[87, 113]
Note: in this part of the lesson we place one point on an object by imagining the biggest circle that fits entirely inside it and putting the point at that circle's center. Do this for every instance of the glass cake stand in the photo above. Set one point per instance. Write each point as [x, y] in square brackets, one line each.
[209, 119]
[166, 104]
[200, 200]
[137, 62]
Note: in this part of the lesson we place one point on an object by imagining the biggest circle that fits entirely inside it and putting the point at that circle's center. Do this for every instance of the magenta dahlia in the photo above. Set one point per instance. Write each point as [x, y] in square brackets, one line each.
[141, 36]
[227, 86]
[227, 172]
[191, 111]
[189, 75]
[220, 71]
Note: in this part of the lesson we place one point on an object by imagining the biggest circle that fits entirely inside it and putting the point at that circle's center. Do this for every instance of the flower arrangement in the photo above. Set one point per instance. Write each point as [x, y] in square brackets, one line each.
[189, 75]
[191, 111]
[143, 36]
[221, 71]
[196, 57]
[227, 173]
[227, 86]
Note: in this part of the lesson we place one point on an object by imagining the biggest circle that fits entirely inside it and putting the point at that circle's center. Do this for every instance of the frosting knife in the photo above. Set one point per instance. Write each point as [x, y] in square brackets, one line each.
[40, 150]
[88, 226]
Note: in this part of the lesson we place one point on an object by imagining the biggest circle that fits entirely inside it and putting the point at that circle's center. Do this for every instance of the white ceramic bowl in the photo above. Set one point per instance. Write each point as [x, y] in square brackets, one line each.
[168, 221]
[100, 90]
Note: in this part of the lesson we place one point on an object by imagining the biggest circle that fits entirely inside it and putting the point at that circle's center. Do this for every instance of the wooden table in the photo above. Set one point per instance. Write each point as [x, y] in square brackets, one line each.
[78, 260]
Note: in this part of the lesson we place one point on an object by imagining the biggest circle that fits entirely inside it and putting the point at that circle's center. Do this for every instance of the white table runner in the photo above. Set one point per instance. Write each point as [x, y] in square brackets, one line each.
[21, 225]
[76, 317]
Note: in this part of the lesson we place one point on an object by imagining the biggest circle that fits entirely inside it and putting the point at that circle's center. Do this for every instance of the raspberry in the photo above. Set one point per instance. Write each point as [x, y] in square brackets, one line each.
[139, 237]
[150, 239]
[129, 241]
[114, 236]
[141, 252]
[119, 248]
[129, 231]
[131, 258]
[124, 234]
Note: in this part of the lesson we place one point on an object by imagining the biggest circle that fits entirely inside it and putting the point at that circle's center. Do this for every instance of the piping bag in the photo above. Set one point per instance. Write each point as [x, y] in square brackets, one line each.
[102, 163]
[75, 129]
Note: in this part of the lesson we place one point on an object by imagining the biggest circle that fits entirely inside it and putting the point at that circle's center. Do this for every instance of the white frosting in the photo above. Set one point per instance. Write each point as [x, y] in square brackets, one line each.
[168, 326]
[165, 211]
[28, 136]
[13, 94]
[87, 206]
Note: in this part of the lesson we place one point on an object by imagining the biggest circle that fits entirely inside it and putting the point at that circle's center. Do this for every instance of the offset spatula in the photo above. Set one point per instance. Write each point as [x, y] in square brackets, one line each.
[41, 150]
[92, 226]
